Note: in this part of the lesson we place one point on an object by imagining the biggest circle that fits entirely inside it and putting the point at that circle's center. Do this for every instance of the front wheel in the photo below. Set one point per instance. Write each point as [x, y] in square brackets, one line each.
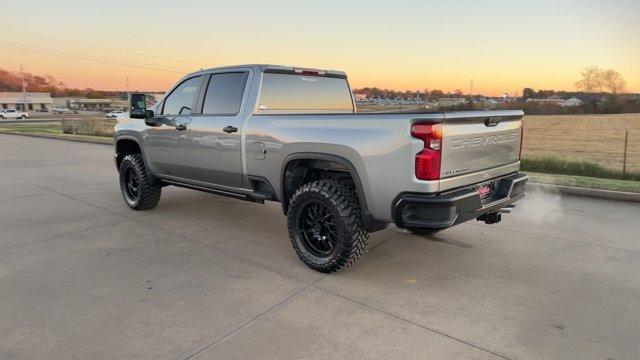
[137, 189]
[325, 226]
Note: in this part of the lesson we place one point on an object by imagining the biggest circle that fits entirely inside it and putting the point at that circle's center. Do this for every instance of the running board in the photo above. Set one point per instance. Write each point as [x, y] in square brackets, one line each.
[256, 197]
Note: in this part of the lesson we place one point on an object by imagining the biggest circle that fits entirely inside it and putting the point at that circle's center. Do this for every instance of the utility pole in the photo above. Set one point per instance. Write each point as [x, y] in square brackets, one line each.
[471, 87]
[128, 96]
[24, 90]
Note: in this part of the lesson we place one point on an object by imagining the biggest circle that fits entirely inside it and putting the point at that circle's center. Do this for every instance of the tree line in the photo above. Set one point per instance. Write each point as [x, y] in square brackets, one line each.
[12, 82]
[378, 93]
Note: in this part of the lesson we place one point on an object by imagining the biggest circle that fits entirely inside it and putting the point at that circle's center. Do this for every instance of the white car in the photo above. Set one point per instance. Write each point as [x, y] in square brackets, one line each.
[60, 110]
[117, 114]
[13, 114]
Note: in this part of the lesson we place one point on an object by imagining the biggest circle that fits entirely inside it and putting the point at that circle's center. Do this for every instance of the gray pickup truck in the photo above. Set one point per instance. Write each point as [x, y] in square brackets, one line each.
[292, 135]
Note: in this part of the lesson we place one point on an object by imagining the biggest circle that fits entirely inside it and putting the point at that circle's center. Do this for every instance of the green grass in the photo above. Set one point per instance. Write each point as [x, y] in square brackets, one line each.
[49, 130]
[33, 129]
[585, 182]
[554, 165]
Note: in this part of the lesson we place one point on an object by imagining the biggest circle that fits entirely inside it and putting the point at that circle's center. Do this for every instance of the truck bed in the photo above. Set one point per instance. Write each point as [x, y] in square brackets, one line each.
[382, 151]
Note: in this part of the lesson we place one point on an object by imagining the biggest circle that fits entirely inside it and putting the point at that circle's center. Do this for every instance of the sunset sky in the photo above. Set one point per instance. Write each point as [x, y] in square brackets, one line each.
[502, 45]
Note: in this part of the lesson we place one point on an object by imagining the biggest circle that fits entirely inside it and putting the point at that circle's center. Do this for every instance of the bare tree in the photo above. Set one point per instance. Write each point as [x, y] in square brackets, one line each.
[595, 79]
[612, 82]
[591, 80]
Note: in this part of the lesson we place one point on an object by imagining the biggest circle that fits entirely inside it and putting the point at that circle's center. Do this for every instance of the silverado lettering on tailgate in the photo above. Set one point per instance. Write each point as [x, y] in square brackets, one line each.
[475, 141]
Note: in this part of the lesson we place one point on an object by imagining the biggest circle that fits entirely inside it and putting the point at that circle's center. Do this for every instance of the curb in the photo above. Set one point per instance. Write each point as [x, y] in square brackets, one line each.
[586, 192]
[91, 141]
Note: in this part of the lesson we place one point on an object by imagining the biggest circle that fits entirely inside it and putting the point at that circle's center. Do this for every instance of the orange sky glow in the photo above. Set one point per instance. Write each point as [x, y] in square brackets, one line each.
[503, 46]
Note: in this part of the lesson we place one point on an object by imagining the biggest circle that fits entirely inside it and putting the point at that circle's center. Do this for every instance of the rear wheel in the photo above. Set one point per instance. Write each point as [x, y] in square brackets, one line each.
[137, 189]
[325, 226]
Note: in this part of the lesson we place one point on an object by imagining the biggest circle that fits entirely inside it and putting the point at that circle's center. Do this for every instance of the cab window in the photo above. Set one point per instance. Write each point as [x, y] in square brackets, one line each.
[182, 99]
[299, 92]
[224, 93]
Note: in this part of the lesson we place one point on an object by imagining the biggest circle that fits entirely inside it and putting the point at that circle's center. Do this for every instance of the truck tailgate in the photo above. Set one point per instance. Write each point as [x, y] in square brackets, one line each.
[479, 140]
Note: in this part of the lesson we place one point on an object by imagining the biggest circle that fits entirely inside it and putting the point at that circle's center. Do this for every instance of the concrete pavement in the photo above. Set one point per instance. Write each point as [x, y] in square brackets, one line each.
[208, 277]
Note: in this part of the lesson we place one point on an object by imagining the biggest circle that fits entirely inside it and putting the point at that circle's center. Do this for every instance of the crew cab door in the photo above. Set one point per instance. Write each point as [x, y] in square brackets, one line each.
[215, 152]
[166, 143]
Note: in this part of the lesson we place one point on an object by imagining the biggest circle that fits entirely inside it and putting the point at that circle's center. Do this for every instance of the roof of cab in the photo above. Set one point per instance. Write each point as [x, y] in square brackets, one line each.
[266, 67]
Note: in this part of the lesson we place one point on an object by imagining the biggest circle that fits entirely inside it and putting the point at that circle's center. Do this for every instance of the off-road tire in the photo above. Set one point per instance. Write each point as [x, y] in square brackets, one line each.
[424, 231]
[351, 240]
[148, 194]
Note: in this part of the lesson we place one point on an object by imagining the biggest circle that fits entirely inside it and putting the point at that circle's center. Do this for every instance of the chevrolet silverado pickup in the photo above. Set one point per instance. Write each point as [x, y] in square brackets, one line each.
[293, 135]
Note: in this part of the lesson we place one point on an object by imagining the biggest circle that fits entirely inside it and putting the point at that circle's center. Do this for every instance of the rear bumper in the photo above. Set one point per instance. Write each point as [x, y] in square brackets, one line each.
[415, 210]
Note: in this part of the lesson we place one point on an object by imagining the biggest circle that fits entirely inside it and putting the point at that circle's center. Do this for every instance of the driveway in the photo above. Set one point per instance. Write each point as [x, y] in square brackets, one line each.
[208, 277]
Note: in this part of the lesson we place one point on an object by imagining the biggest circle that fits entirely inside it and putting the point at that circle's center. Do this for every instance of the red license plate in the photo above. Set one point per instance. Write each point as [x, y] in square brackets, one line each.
[484, 190]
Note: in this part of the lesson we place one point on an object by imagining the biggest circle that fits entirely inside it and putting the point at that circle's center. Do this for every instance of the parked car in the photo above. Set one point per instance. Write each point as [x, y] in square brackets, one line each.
[263, 132]
[60, 110]
[13, 114]
[117, 114]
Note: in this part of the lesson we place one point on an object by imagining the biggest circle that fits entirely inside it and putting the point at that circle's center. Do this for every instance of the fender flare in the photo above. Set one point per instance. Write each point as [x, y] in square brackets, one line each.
[152, 176]
[367, 218]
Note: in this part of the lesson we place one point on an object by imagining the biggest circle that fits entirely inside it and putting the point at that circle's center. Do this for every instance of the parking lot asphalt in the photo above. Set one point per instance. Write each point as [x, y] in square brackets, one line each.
[208, 277]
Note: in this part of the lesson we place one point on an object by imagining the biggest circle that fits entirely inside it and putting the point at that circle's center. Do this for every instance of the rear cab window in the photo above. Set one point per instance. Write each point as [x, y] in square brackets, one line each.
[224, 93]
[304, 93]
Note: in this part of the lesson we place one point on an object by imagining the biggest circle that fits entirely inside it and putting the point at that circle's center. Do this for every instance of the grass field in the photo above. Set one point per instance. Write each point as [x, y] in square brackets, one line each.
[48, 129]
[595, 138]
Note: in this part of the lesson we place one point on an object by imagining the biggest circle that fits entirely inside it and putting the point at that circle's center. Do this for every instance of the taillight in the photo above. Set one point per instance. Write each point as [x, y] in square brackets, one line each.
[428, 160]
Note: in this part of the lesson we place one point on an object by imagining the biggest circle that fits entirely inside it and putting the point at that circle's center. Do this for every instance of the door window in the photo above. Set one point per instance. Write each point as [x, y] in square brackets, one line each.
[224, 93]
[182, 99]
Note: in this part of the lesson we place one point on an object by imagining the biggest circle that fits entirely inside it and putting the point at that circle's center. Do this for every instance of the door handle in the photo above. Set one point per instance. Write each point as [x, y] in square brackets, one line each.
[181, 127]
[230, 129]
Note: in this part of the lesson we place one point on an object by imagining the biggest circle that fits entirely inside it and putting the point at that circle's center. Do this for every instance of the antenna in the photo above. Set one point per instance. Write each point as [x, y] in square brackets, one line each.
[471, 87]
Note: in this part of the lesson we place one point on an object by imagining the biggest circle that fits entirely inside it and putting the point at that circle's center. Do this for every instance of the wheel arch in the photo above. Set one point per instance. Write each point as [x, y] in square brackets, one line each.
[292, 159]
[127, 144]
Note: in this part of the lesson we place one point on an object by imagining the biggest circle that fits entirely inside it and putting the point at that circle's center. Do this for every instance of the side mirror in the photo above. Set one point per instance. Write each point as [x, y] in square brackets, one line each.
[150, 119]
[138, 106]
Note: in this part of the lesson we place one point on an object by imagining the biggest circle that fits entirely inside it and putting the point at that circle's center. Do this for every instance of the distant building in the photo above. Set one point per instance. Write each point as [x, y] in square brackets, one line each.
[83, 103]
[574, 101]
[550, 100]
[452, 101]
[28, 101]
[90, 104]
